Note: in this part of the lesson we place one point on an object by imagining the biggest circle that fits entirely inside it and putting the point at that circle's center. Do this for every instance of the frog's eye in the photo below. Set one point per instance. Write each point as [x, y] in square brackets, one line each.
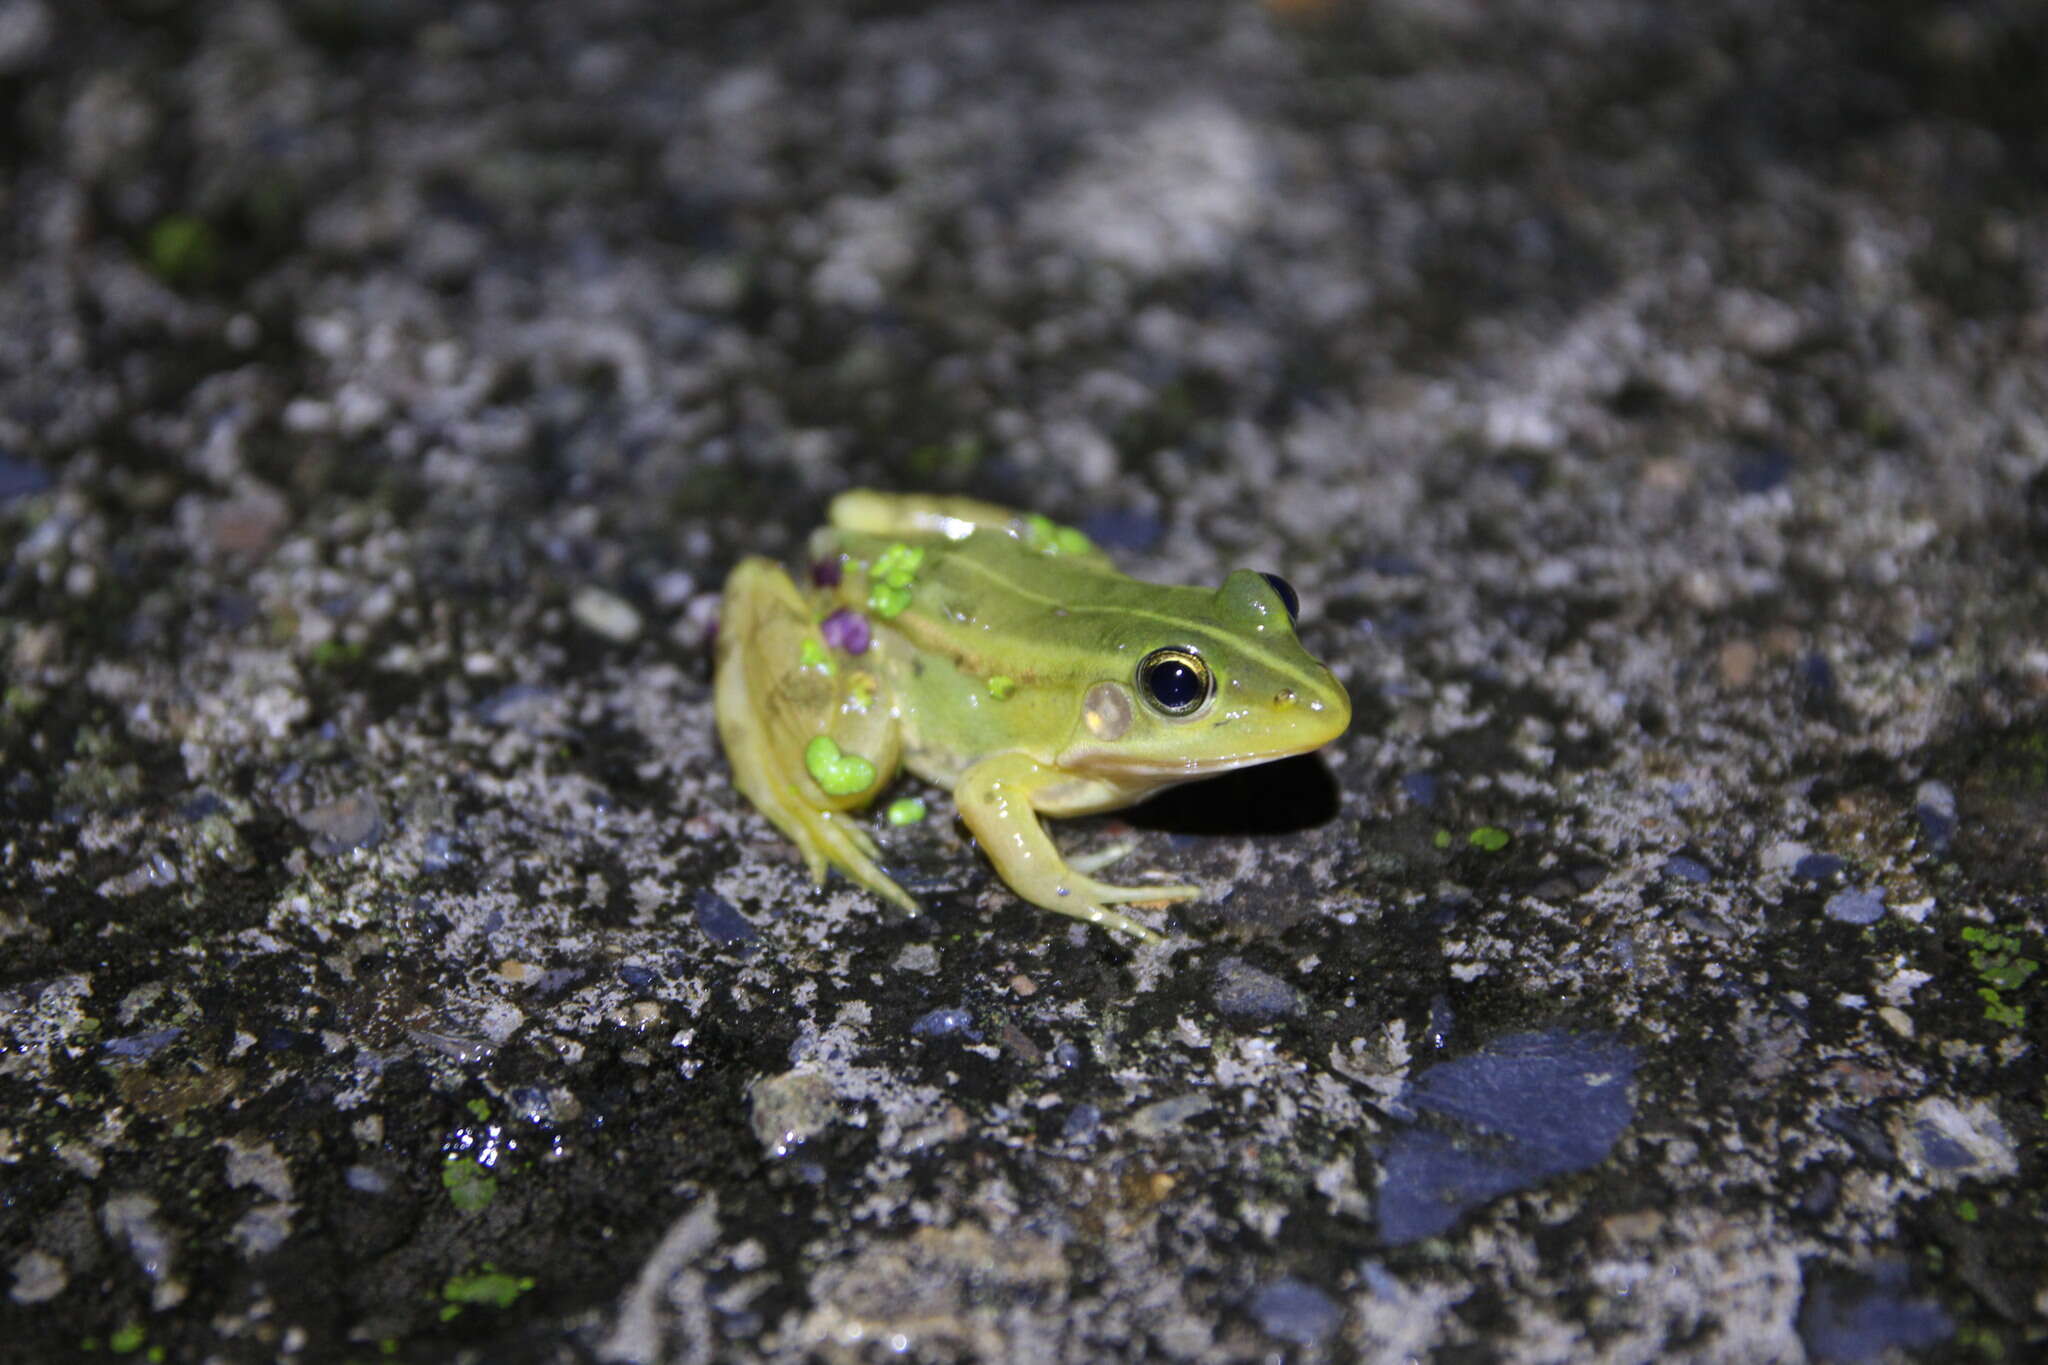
[1285, 590]
[1175, 681]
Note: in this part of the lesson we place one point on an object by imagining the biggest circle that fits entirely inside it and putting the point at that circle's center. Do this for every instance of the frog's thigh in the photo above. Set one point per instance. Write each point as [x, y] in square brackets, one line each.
[994, 797]
[769, 708]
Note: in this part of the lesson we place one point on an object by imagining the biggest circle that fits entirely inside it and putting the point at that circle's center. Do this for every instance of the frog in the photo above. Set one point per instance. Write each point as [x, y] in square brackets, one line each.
[1002, 656]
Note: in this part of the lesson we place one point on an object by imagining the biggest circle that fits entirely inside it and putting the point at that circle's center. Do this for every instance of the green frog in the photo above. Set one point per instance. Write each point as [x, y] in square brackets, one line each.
[1004, 657]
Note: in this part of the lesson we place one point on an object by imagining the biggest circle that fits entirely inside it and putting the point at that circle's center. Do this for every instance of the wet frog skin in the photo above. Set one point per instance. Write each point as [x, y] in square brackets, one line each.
[1002, 656]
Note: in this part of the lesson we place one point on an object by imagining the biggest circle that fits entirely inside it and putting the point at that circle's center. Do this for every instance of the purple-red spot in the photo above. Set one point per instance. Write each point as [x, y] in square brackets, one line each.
[846, 631]
[825, 573]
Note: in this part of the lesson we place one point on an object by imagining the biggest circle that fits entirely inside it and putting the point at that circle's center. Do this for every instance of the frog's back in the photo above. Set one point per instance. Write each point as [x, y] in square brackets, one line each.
[914, 517]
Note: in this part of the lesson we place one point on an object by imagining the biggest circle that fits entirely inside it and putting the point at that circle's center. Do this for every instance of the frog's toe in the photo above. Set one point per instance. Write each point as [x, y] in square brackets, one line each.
[1106, 894]
[1101, 858]
[1102, 917]
[832, 838]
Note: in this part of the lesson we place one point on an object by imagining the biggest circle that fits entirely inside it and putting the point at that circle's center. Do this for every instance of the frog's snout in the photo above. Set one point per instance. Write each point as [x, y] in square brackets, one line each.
[1331, 706]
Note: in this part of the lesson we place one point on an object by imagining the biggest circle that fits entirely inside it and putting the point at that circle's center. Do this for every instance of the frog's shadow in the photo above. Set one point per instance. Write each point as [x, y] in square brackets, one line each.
[1282, 797]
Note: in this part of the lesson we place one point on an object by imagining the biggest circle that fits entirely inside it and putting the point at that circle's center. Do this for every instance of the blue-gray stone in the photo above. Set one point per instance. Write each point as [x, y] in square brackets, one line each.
[1817, 867]
[945, 1022]
[1084, 1121]
[1856, 906]
[1846, 1318]
[1861, 1132]
[1394, 564]
[1520, 1111]
[522, 706]
[721, 922]
[1940, 1150]
[1687, 869]
[201, 805]
[1761, 469]
[19, 478]
[143, 1044]
[1934, 805]
[1294, 1310]
[438, 853]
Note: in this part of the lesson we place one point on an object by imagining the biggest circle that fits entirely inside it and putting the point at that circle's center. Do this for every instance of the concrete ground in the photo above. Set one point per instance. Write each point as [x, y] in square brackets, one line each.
[1650, 403]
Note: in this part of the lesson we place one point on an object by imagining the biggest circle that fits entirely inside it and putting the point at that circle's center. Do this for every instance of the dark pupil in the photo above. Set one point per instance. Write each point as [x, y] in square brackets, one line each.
[1174, 685]
[1287, 597]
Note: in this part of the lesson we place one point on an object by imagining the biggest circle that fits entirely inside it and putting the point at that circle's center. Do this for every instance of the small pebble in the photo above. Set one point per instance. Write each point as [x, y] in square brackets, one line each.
[250, 522]
[1162, 1117]
[673, 590]
[522, 706]
[1023, 985]
[26, 30]
[367, 1180]
[1249, 992]
[38, 1277]
[918, 957]
[1294, 1310]
[790, 1108]
[1761, 470]
[721, 922]
[19, 479]
[1817, 867]
[345, 823]
[1934, 805]
[1687, 869]
[144, 1044]
[945, 1022]
[201, 805]
[1084, 1121]
[1863, 906]
[1847, 1315]
[606, 614]
[1738, 661]
[1817, 678]
[438, 853]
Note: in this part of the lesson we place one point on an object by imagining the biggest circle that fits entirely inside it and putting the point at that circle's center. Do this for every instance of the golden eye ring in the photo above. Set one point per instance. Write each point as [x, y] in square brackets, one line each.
[1174, 681]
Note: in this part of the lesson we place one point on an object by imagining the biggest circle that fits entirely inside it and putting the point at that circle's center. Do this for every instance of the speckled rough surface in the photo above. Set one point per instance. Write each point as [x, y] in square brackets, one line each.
[1649, 401]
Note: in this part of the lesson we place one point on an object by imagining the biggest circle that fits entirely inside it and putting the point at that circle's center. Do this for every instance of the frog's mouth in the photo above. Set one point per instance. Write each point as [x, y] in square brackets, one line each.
[1135, 770]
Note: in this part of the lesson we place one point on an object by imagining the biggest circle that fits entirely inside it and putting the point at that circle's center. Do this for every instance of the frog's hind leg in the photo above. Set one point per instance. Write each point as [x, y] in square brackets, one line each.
[774, 699]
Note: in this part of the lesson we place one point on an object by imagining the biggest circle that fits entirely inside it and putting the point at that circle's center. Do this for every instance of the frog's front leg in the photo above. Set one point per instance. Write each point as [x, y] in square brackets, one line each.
[808, 741]
[995, 801]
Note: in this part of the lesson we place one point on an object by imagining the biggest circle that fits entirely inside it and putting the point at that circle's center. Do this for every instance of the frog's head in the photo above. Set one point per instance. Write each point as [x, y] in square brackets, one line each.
[1227, 684]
